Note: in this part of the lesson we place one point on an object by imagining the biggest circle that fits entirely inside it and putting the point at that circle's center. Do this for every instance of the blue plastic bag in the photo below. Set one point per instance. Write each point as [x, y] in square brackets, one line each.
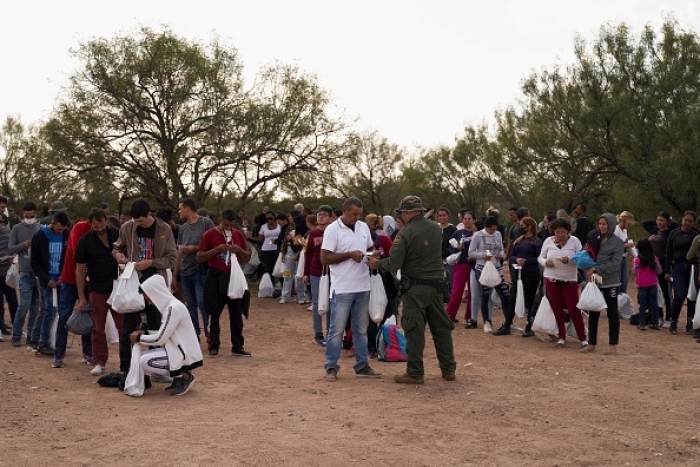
[583, 259]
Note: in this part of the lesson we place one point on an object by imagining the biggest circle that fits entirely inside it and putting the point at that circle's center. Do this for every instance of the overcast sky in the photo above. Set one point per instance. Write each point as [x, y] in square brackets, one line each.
[414, 71]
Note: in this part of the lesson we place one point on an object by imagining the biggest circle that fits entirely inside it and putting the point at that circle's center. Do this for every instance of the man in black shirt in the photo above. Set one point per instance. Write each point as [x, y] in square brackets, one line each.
[93, 257]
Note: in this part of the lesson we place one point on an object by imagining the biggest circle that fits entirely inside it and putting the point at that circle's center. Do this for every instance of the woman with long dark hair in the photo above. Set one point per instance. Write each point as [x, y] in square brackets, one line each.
[523, 255]
[658, 242]
[462, 270]
[678, 268]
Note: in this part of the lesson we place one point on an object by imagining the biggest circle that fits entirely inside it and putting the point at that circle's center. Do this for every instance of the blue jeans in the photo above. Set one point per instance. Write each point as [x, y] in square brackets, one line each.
[49, 313]
[317, 319]
[290, 269]
[680, 273]
[193, 288]
[29, 300]
[501, 290]
[67, 296]
[648, 300]
[355, 306]
[623, 274]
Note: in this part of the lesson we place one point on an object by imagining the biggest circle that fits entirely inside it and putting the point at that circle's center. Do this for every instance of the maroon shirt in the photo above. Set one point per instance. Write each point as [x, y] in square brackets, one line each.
[312, 256]
[215, 237]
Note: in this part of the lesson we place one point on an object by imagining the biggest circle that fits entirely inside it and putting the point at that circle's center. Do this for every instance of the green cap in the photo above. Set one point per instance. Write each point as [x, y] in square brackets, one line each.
[411, 203]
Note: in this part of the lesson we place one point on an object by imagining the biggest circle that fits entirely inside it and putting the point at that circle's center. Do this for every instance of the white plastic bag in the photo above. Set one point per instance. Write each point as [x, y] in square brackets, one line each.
[254, 261]
[660, 300]
[520, 300]
[266, 289]
[300, 265]
[571, 330]
[378, 298]
[625, 307]
[115, 284]
[12, 276]
[111, 331]
[135, 382]
[237, 284]
[324, 294]
[692, 288]
[453, 258]
[591, 298]
[54, 330]
[544, 319]
[127, 298]
[489, 275]
[696, 319]
[278, 270]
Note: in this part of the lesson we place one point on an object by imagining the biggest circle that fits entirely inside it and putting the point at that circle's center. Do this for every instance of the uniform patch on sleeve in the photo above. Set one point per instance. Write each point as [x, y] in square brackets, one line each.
[397, 240]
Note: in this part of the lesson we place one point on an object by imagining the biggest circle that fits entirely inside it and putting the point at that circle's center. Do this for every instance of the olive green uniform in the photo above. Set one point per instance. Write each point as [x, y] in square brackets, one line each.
[417, 252]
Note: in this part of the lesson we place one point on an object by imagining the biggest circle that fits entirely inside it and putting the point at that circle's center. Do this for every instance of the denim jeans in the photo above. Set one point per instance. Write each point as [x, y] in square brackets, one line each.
[67, 296]
[193, 288]
[485, 292]
[29, 300]
[49, 313]
[290, 269]
[356, 306]
[624, 275]
[316, 318]
[680, 273]
[648, 301]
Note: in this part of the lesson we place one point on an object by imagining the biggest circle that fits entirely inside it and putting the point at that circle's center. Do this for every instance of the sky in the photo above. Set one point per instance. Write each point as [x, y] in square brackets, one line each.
[416, 72]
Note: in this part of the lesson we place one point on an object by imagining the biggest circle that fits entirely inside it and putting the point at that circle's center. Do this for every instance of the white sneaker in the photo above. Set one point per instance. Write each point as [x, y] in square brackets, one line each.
[488, 329]
[282, 300]
[311, 308]
[97, 370]
[667, 324]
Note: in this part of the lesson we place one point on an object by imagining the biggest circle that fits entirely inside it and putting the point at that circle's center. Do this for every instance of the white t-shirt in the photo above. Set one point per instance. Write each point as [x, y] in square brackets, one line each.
[622, 235]
[269, 235]
[348, 276]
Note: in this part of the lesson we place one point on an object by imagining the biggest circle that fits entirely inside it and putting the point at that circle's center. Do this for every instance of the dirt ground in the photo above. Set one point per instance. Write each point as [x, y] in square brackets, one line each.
[516, 402]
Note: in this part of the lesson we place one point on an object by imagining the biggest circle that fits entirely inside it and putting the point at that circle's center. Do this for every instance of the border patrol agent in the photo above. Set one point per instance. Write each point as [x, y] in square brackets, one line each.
[417, 252]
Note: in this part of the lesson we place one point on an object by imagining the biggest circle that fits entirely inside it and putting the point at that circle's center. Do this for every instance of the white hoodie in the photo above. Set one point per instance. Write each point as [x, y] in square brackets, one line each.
[176, 331]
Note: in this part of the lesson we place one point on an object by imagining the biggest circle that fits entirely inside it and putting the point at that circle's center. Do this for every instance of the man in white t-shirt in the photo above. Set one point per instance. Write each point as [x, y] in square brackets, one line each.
[345, 242]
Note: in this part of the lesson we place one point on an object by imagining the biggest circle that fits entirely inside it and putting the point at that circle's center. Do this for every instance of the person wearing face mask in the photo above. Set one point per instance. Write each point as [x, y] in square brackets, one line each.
[30, 294]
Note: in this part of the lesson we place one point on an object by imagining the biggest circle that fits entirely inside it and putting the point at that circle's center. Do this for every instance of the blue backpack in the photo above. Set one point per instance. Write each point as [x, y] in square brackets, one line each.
[391, 342]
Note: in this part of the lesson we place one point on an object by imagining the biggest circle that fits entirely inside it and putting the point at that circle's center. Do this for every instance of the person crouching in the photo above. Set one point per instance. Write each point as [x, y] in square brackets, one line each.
[180, 352]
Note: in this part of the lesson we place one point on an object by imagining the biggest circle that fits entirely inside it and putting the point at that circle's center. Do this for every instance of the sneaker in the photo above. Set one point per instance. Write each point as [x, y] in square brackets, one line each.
[488, 329]
[516, 328]
[367, 372]
[455, 320]
[667, 324]
[161, 379]
[5, 331]
[409, 379]
[33, 346]
[183, 386]
[58, 363]
[97, 370]
[673, 329]
[654, 327]
[16, 342]
[241, 352]
[213, 352]
[45, 350]
[471, 324]
[528, 333]
[502, 331]
[331, 375]
[320, 341]
[88, 360]
[282, 301]
[173, 384]
[1, 339]
[560, 344]
[449, 376]
[689, 328]
[310, 308]
[642, 327]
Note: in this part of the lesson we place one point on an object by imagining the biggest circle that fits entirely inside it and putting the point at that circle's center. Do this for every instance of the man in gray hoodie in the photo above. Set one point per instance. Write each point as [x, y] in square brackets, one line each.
[29, 293]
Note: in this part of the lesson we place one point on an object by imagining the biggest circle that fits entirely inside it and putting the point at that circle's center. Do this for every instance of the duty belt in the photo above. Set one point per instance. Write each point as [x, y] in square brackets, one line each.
[429, 282]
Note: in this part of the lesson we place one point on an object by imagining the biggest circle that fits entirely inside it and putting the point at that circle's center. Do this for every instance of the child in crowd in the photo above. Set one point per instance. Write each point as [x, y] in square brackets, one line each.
[646, 268]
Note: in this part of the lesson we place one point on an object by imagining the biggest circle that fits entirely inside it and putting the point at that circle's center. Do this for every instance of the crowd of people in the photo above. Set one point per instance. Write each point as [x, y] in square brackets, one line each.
[184, 264]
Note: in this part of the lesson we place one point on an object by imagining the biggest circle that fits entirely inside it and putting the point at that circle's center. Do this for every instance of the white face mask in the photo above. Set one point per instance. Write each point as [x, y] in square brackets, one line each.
[31, 221]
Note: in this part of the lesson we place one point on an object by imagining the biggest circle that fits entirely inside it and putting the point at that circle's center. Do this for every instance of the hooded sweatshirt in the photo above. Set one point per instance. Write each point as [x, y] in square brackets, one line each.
[176, 331]
[610, 254]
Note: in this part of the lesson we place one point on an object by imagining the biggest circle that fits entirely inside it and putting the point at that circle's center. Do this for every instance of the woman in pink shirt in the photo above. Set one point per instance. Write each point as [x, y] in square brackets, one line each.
[646, 268]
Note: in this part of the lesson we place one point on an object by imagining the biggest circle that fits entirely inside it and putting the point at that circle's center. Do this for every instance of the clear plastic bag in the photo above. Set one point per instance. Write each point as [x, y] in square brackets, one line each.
[591, 298]
[237, 283]
[135, 382]
[545, 320]
[266, 289]
[377, 298]
[324, 294]
[489, 275]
